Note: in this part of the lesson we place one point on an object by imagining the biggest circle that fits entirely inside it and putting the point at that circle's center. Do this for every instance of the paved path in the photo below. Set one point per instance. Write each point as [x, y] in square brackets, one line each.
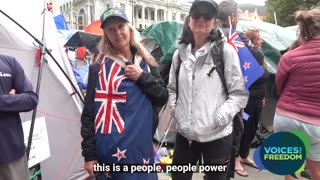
[254, 174]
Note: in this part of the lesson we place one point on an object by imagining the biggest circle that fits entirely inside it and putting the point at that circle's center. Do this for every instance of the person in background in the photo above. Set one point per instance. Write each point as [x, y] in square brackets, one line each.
[255, 37]
[229, 9]
[297, 79]
[256, 40]
[124, 84]
[203, 108]
[16, 95]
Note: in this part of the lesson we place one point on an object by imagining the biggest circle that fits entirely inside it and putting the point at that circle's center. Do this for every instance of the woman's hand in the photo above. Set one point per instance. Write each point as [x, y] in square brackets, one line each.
[264, 103]
[12, 91]
[133, 72]
[88, 166]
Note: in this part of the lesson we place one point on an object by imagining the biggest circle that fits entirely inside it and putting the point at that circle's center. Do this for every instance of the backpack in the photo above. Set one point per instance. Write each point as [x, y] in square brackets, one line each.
[238, 127]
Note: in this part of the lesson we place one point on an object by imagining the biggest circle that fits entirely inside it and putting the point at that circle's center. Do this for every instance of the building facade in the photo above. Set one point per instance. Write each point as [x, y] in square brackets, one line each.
[141, 13]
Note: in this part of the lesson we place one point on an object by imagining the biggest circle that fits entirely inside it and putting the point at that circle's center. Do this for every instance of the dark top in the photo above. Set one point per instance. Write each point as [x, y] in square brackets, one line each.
[11, 134]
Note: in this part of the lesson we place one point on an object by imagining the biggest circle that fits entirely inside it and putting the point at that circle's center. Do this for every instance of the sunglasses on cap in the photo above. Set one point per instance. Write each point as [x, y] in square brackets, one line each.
[196, 15]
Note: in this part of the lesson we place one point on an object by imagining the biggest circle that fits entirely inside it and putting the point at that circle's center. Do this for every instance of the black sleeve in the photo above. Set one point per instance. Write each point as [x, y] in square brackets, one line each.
[153, 86]
[87, 117]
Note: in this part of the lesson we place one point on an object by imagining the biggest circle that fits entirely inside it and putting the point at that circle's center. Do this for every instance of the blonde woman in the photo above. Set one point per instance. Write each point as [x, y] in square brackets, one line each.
[123, 86]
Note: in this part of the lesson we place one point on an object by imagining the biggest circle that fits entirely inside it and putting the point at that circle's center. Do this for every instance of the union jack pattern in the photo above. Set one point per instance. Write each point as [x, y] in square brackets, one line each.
[233, 40]
[251, 69]
[109, 96]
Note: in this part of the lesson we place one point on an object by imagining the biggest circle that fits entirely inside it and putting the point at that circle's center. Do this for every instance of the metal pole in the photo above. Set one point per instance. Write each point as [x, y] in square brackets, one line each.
[43, 52]
[132, 13]
[275, 18]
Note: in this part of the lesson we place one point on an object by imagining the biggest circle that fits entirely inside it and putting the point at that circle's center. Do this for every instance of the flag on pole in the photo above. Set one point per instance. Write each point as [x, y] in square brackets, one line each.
[251, 69]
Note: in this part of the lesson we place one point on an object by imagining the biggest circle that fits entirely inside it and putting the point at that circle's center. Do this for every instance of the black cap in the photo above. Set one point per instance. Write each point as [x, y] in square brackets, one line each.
[210, 2]
[112, 12]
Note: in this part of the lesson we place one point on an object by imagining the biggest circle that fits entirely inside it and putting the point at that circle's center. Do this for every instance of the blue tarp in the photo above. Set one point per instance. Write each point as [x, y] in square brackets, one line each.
[60, 22]
[81, 73]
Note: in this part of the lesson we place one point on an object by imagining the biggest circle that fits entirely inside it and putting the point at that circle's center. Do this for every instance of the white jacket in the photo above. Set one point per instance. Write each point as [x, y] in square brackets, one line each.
[203, 111]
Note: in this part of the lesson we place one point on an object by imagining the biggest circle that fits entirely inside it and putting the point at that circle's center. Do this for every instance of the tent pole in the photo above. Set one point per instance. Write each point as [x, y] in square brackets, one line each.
[49, 53]
[43, 54]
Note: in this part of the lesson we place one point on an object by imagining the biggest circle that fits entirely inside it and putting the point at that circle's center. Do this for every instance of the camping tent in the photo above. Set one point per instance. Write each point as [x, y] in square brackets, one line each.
[57, 103]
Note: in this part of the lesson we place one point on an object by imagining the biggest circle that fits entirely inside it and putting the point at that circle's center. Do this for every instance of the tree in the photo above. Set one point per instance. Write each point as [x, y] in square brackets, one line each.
[285, 9]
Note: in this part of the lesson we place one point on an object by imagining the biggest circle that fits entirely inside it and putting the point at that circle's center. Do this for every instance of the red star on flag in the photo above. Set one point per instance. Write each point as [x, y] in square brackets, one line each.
[246, 65]
[245, 78]
[120, 154]
[146, 162]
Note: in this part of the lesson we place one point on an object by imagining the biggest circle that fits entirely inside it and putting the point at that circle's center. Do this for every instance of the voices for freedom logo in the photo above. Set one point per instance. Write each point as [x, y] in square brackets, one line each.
[283, 153]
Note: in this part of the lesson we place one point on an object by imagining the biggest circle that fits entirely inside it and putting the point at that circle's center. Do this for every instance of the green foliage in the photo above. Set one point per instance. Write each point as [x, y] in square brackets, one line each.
[285, 9]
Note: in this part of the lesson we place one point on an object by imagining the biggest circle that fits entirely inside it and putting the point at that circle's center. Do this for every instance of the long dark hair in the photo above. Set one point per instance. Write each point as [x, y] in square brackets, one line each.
[187, 36]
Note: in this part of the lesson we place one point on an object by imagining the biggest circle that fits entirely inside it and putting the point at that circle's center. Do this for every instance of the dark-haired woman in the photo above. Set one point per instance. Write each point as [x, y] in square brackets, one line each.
[200, 104]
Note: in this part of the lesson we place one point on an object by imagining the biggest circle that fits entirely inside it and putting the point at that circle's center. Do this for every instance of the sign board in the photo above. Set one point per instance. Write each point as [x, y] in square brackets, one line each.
[40, 149]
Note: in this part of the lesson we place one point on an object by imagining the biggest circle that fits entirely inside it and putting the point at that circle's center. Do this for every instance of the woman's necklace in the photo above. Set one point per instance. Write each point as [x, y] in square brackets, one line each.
[130, 59]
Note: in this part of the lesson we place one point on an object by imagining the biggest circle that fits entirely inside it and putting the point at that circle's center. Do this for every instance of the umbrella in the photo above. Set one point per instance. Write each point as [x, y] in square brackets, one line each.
[88, 40]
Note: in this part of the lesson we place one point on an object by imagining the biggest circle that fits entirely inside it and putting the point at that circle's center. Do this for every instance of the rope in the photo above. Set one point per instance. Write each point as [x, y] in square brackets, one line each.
[36, 174]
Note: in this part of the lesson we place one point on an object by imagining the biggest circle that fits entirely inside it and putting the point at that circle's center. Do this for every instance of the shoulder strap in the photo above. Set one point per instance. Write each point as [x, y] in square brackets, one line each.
[177, 76]
[217, 56]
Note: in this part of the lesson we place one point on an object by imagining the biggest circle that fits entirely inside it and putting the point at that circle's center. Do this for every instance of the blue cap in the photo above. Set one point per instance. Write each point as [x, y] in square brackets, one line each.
[211, 3]
[112, 12]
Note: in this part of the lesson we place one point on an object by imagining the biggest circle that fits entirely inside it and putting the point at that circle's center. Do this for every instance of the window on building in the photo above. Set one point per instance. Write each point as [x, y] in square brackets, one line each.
[152, 14]
[146, 15]
[108, 5]
[67, 5]
[81, 19]
[61, 9]
[123, 6]
[140, 26]
[160, 15]
[139, 11]
[92, 13]
[173, 16]
[182, 17]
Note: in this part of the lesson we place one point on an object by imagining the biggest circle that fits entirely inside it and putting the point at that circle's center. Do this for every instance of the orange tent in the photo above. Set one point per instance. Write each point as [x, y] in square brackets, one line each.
[94, 28]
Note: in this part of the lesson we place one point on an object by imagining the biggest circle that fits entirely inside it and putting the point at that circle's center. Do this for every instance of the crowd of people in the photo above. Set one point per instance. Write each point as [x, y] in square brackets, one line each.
[206, 91]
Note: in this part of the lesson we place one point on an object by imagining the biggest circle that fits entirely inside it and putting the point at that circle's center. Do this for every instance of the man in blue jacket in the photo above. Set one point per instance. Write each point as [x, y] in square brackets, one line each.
[16, 95]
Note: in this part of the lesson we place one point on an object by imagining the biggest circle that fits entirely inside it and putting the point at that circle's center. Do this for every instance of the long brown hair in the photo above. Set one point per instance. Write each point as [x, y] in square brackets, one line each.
[309, 24]
[106, 48]
[252, 34]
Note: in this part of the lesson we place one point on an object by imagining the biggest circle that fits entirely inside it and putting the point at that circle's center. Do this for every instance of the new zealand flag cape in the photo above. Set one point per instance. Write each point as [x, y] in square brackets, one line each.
[123, 121]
